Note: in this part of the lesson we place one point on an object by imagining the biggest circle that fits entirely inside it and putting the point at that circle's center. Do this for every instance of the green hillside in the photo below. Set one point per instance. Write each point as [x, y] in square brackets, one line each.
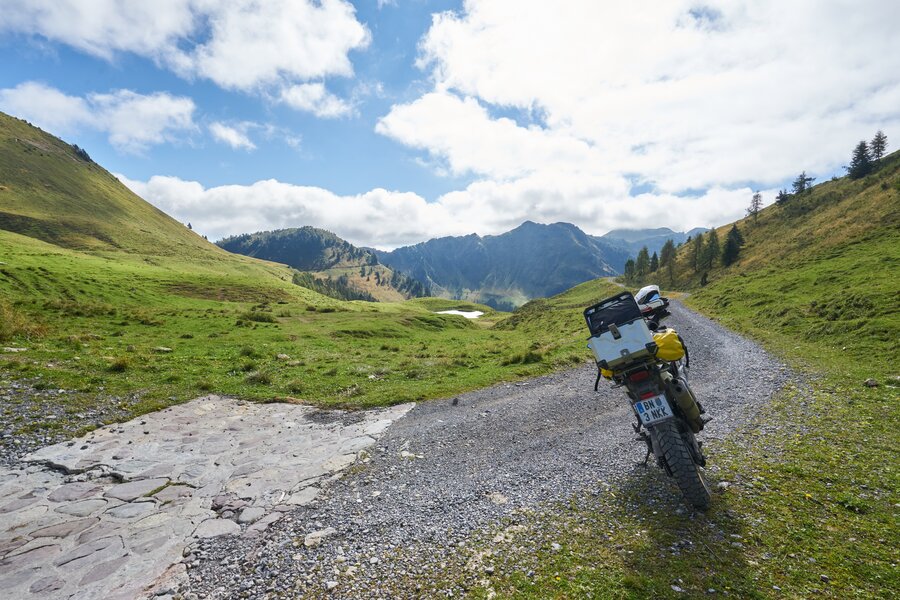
[128, 311]
[53, 191]
[821, 270]
[809, 503]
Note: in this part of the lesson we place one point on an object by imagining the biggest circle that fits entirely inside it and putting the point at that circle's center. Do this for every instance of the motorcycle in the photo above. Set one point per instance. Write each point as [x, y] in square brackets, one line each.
[633, 350]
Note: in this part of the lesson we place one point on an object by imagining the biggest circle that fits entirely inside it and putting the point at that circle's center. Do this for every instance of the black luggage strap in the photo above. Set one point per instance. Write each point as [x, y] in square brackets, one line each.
[687, 357]
[597, 382]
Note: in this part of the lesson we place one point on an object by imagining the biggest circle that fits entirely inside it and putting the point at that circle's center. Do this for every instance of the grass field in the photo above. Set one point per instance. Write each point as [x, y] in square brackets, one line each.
[145, 332]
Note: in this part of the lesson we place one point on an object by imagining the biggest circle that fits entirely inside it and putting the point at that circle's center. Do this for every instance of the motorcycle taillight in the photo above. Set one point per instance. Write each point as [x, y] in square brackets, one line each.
[638, 376]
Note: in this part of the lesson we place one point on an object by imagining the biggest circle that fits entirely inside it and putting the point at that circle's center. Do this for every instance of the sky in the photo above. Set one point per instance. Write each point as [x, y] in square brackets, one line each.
[390, 122]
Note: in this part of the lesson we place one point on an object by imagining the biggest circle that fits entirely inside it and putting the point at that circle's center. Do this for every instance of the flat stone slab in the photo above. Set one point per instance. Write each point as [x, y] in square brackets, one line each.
[88, 519]
[83, 508]
[78, 490]
[251, 514]
[216, 527]
[133, 490]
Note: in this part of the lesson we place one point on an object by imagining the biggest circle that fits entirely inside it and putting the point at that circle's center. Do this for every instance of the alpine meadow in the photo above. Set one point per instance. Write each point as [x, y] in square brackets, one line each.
[488, 299]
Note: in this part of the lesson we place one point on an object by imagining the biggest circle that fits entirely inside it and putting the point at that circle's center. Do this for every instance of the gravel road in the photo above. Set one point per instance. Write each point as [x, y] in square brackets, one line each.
[454, 467]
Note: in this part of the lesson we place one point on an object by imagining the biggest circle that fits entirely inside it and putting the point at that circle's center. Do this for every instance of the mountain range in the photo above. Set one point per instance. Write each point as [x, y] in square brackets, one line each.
[507, 270]
[531, 261]
[633, 240]
[331, 265]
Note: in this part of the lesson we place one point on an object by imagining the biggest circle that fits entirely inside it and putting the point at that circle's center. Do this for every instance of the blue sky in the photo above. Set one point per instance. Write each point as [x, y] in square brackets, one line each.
[392, 122]
[344, 155]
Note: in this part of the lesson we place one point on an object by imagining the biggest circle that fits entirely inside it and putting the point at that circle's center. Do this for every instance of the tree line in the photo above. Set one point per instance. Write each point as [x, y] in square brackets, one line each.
[706, 251]
[863, 161]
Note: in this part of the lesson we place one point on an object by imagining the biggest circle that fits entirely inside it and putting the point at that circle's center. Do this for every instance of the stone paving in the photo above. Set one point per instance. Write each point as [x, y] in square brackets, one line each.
[113, 514]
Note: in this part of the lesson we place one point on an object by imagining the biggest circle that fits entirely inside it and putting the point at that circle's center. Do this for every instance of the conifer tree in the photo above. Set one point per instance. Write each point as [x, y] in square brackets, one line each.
[711, 250]
[861, 162]
[802, 183]
[654, 263]
[697, 251]
[667, 260]
[734, 231]
[642, 264]
[782, 197]
[667, 253]
[629, 270]
[733, 242]
[755, 206]
[878, 145]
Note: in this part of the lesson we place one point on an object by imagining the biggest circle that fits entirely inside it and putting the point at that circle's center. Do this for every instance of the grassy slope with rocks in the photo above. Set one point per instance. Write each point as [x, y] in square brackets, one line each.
[807, 504]
[132, 312]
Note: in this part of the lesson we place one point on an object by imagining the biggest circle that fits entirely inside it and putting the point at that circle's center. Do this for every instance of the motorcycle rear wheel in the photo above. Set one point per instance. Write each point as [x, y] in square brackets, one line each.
[680, 462]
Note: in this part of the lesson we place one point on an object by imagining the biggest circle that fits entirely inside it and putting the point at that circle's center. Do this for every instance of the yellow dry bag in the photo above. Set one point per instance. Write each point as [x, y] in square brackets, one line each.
[669, 344]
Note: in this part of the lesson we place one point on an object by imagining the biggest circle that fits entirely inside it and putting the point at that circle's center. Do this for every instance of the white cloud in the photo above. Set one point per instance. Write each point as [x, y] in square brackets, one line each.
[462, 132]
[679, 94]
[387, 219]
[132, 121]
[236, 137]
[136, 121]
[238, 44]
[45, 106]
[314, 98]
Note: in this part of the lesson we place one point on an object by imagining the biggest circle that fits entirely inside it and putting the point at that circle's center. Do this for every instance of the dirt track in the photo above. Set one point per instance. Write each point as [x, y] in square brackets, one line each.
[455, 466]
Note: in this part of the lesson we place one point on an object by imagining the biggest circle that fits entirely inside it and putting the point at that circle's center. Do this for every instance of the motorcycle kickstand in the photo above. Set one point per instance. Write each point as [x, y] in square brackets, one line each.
[647, 458]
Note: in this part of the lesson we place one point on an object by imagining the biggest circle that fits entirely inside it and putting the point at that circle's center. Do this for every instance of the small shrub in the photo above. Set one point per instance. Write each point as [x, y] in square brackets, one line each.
[249, 351]
[525, 358]
[15, 324]
[119, 365]
[187, 336]
[259, 378]
[295, 386]
[258, 317]
[248, 366]
[145, 318]
[351, 391]
[204, 386]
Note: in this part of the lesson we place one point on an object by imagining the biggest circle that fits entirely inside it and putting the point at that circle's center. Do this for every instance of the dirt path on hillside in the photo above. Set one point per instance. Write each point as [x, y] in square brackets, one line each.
[453, 467]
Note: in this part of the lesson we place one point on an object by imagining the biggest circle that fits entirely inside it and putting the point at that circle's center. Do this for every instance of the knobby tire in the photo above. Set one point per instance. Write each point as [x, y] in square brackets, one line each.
[685, 471]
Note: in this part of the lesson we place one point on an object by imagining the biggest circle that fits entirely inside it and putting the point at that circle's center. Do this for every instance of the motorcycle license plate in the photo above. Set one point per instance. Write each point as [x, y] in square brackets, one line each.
[653, 410]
